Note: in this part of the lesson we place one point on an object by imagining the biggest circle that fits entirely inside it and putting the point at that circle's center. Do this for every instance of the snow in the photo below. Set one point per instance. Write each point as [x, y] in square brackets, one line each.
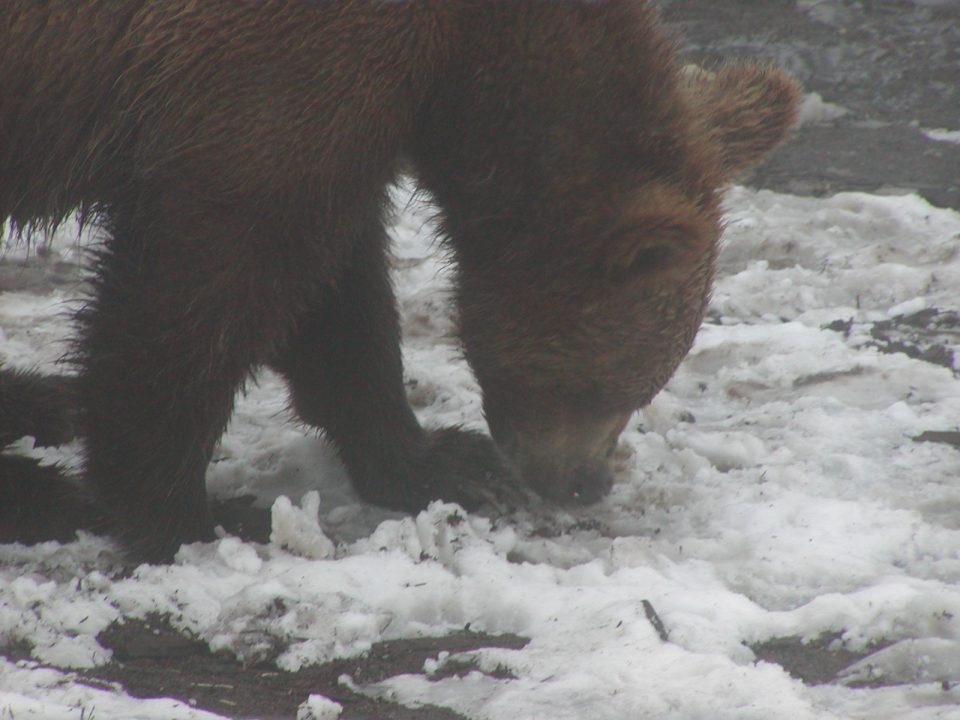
[298, 529]
[772, 489]
[31, 692]
[317, 707]
[943, 135]
[814, 110]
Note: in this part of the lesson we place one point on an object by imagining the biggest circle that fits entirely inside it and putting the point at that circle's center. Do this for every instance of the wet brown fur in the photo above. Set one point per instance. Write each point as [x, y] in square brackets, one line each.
[237, 155]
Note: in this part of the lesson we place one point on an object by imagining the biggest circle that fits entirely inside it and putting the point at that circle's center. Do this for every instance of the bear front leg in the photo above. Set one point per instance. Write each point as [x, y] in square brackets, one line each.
[186, 302]
[344, 369]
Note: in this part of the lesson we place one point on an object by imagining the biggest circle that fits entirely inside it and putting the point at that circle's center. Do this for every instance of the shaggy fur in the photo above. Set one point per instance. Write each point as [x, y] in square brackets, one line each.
[38, 502]
[237, 154]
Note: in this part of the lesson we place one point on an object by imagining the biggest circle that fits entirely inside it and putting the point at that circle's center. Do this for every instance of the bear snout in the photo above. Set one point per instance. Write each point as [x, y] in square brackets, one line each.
[567, 462]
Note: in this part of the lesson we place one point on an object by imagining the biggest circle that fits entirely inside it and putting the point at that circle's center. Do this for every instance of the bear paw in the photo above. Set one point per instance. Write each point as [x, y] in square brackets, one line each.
[452, 465]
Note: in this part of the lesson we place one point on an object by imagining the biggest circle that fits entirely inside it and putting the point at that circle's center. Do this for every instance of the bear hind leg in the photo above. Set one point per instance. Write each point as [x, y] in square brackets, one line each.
[185, 305]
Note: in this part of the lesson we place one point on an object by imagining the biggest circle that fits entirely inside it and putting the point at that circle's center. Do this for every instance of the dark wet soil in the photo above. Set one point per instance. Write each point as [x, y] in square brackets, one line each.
[153, 660]
[815, 662]
[929, 335]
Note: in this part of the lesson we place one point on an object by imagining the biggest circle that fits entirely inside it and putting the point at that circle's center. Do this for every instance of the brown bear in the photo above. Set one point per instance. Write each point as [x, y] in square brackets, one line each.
[236, 154]
[38, 502]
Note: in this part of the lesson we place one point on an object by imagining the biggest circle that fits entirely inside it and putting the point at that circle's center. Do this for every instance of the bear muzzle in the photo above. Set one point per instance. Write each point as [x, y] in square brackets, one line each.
[566, 460]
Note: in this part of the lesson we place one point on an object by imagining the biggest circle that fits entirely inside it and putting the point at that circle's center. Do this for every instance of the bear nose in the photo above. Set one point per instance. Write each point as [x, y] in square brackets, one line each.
[582, 484]
[567, 462]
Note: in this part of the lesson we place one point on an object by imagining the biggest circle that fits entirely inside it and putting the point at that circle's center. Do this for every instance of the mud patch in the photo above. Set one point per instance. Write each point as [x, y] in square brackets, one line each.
[816, 662]
[153, 660]
[930, 335]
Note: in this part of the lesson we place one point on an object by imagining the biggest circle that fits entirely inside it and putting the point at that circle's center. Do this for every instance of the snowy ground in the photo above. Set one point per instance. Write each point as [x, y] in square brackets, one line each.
[773, 489]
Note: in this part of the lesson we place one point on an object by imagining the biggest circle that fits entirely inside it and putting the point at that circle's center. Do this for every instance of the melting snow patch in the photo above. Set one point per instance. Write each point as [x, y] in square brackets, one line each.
[317, 707]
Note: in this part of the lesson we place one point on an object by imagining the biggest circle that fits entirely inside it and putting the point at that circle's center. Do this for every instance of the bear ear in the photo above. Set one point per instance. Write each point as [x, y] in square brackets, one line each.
[662, 235]
[744, 108]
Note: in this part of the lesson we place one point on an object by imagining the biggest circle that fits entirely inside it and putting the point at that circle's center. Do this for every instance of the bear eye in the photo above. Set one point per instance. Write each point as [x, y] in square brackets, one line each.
[633, 250]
